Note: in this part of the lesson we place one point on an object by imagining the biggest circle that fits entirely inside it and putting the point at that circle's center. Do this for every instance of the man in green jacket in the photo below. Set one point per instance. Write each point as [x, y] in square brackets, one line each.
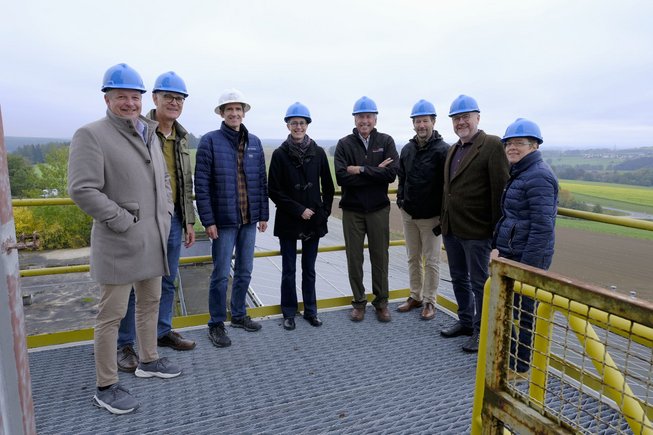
[169, 94]
[475, 173]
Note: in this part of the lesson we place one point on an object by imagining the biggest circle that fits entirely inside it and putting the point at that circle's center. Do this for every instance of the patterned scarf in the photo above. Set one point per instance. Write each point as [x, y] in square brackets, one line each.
[297, 150]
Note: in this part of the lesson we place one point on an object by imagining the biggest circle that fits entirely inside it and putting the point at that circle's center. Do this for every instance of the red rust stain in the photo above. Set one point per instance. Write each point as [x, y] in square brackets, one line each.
[20, 352]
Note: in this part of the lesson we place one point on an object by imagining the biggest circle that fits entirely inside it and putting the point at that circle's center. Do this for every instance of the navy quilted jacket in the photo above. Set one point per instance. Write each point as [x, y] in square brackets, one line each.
[529, 204]
[216, 178]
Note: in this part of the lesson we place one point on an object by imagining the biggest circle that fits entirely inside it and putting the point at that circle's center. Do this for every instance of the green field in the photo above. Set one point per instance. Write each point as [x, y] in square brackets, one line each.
[623, 197]
[600, 227]
[630, 198]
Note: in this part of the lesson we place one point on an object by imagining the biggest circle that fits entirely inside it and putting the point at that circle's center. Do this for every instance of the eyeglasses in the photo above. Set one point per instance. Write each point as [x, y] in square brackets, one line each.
[170, 98]
[298, 123]
[461, 118]
[517, 143]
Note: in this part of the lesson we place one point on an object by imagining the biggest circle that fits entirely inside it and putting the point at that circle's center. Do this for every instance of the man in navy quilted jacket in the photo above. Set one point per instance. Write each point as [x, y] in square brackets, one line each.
[232, 199]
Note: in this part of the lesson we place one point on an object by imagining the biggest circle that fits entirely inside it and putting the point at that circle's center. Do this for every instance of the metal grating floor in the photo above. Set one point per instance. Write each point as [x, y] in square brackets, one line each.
[344, 377]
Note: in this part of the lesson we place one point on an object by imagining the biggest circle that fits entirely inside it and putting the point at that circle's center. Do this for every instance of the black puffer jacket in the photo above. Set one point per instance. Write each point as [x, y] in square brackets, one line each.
[421, 177]
[295, 186]
[366, 192]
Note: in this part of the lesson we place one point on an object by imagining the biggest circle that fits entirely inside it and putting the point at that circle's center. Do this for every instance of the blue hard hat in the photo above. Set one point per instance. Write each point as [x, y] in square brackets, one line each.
[298, 110]
[423, 108]
[122, 76]
[463, 104]
[364, 105]
[523, 128]
[169, 81]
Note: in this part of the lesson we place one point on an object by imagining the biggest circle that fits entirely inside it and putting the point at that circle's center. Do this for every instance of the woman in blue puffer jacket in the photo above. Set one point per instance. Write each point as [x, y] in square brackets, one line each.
[525, 232]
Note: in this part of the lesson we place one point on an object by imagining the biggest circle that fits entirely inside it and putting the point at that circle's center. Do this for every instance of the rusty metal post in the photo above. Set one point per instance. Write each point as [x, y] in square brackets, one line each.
[16, 405]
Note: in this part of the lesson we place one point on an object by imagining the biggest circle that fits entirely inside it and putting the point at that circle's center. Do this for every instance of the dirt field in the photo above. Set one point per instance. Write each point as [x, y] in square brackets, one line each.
[596, 258]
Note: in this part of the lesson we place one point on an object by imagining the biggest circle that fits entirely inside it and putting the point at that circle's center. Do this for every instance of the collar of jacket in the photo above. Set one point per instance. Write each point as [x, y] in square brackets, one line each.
[370, 139]
[179, 129]
[435, 136]
[233, 135]
[127, 124]
[525, 162]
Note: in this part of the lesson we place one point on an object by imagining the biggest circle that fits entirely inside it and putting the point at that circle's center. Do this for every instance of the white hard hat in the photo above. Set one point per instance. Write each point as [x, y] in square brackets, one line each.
[232, 96]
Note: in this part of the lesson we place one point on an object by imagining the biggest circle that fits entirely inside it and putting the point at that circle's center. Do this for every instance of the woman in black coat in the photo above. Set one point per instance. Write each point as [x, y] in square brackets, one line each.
[300, 185]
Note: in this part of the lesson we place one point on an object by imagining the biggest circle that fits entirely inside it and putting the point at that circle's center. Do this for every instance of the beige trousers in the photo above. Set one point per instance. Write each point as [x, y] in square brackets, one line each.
[423, 250]
[112, 308]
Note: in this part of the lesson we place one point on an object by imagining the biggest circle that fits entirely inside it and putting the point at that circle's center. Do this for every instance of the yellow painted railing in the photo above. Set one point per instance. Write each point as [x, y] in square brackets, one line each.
[625, 323]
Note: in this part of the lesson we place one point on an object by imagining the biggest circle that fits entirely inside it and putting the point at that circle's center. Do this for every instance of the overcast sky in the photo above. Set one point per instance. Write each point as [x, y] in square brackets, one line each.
[581, 69]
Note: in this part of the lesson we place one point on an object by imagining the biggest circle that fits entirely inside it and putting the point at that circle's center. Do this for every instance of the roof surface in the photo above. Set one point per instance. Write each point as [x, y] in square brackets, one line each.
[344, 377]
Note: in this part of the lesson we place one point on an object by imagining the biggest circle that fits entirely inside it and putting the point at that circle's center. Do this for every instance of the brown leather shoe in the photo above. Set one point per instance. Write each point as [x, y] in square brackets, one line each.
[383, 314]
[127, 359]
[409, 305]
[357, 314]
[174, 340]
[428, 312]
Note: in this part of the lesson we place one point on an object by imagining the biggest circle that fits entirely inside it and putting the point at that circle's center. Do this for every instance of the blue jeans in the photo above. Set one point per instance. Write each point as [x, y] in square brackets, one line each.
[242, 238]
[469, 268]
[127, 330]
[288, 270]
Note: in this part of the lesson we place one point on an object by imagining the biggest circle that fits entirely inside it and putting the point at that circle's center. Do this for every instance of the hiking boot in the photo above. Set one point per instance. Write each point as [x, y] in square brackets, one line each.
[218, 335]
[246, 323]
[115, 399]
[161, 368]
[127, 359]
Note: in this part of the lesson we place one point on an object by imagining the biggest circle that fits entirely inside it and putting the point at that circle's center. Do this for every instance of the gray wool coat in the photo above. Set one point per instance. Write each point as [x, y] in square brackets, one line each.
[122, 183]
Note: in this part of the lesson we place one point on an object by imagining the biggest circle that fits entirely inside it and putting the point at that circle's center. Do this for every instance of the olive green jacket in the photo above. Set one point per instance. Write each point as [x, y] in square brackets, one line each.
[183, 174]
[471, 205]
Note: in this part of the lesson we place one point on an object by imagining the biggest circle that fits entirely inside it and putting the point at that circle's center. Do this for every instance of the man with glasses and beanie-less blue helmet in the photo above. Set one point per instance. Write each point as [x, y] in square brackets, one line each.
[366, 163]
[169, 94]
[117, 175]
[475, 173]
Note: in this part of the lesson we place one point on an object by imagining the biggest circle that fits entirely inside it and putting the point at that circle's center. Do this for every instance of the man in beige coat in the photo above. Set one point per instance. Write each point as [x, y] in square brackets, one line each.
[117, 175]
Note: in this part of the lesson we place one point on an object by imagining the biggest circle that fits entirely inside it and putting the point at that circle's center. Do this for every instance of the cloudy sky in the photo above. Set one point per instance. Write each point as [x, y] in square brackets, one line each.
[581, 69]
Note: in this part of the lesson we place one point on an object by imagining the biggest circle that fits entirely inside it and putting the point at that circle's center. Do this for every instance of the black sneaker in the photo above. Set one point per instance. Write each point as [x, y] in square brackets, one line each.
[471, 346]
[218, 335]
[246, 323]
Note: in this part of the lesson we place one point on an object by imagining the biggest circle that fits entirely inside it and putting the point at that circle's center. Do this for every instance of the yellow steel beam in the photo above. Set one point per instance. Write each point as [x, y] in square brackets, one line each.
[57, 338]
[614, 220]
[617, 388]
